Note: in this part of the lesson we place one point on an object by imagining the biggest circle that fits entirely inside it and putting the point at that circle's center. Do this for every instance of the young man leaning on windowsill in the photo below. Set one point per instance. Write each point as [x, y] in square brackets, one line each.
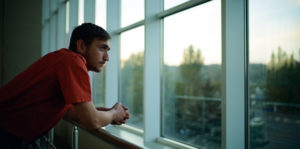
[55, 86]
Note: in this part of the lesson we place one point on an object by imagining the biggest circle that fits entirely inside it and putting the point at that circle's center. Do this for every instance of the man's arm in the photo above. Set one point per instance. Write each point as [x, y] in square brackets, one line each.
[103, 109]
[107, 109]
[90, 117]
[71, 115]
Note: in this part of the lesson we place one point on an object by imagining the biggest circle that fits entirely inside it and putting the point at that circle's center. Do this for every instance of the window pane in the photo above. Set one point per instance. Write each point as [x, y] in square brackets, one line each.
[132, 74]
[101, 13]
[192, 76]
[172, 3]
[131, 11]
[99, 88]
[67, 24]
[80, 12]
[274, 71]
[99, 78]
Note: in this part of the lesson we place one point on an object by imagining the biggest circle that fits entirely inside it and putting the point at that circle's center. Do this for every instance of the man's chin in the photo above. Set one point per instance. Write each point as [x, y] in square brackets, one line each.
[97, 70]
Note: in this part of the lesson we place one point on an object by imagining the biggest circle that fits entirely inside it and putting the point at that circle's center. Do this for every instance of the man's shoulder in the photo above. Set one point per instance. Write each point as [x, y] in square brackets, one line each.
[67, 56]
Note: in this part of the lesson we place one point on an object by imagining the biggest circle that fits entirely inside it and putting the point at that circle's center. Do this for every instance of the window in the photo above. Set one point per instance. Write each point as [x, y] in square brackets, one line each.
[80, 12]
[99, 78]
[132, 74]
[192, 76]
[100, 13]
[177, 43]
[131, 11]
[172, 3]
[274, 70]
[99, 88]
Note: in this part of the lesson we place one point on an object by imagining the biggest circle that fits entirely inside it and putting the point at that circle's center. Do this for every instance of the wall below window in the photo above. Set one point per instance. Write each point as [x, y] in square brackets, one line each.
[20, 39]
[63, 138]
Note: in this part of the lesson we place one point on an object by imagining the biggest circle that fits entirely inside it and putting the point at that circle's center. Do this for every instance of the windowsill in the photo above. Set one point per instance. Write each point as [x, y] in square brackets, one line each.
[128, 137]
[107, 136]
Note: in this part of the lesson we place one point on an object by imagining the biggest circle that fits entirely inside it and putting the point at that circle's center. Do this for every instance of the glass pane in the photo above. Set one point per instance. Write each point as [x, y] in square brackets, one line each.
[172, 3]
[67, 23]
[131, 11]
[274, 74]
[99, 88]
[132, 74]
[192, 76]
[101, 13]
[81, 12]
[99, 78]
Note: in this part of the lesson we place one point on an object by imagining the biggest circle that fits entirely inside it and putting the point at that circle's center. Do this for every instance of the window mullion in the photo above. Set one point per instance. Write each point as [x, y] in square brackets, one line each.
[73, 15]
[112, 68]
[89, 11]
[233, 58]
[53, 32]
[61, 30]
[152, 75]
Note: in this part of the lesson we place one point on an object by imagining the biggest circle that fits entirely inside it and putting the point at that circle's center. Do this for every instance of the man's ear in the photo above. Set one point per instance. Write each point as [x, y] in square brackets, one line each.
[81, 48]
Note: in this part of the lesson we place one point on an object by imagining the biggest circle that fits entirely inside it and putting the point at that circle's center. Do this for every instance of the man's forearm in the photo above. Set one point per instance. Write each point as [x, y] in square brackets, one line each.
[103, 109]
[104, 118]
[92, 118]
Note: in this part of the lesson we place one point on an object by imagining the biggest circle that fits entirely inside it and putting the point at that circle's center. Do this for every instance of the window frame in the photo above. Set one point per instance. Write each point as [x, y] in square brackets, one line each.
[234, 68]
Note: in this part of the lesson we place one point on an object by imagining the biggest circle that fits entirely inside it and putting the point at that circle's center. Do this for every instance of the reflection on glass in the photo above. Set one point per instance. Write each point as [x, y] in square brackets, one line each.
[99, 88]
[172, 3]
[274, 74]
[132, 74]
[192, 76]
[131, 11]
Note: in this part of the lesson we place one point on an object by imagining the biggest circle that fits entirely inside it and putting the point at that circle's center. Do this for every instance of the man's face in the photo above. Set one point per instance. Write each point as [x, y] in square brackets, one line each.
[96, 55]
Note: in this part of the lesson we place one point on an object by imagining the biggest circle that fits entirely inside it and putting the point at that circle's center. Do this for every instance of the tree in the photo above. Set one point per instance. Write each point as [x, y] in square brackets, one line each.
[188, 87]
[132, 83]
[283, 78]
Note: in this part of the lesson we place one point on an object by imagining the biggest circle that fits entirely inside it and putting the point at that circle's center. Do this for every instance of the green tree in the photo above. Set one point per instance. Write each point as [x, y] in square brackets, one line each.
[283, 78]
[132, 83]
[188, 87]
[188, 90]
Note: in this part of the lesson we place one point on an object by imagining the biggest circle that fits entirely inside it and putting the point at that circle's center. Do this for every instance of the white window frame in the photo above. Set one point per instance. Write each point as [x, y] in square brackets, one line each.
[233, 71]
[61, 23]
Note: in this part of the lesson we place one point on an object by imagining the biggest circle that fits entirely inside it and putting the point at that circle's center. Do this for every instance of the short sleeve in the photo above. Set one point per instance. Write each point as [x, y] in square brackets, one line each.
[74, 80]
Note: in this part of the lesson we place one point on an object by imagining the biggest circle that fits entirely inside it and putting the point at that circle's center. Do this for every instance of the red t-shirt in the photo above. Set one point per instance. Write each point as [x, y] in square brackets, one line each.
[35, 100]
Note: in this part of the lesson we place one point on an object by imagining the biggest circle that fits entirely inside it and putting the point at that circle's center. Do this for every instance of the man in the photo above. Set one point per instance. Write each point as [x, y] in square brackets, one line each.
[57, 85]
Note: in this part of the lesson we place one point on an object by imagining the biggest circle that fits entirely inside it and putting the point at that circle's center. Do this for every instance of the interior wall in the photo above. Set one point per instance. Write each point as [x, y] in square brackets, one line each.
[1, 37]
[20, 36]
[63, 134]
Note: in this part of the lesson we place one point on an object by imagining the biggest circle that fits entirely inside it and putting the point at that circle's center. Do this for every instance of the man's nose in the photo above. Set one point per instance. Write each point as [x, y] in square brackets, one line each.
[106, 57]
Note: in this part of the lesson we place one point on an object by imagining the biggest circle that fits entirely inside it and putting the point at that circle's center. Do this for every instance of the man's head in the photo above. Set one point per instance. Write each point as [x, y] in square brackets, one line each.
[91, 41]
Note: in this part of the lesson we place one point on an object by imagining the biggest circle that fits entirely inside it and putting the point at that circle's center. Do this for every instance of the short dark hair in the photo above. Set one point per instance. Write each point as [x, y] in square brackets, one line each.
[87, 32]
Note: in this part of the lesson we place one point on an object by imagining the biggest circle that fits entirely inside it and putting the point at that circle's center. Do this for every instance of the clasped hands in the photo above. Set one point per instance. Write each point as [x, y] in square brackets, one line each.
[120, 113]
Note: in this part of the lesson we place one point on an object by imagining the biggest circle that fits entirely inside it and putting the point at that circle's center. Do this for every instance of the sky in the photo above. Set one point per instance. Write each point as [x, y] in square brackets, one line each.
[272, 23]
[180, 31]
[199, 26]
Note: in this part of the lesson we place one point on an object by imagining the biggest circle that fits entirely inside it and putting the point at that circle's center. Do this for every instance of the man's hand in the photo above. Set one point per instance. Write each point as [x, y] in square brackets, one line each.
[122, 114]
